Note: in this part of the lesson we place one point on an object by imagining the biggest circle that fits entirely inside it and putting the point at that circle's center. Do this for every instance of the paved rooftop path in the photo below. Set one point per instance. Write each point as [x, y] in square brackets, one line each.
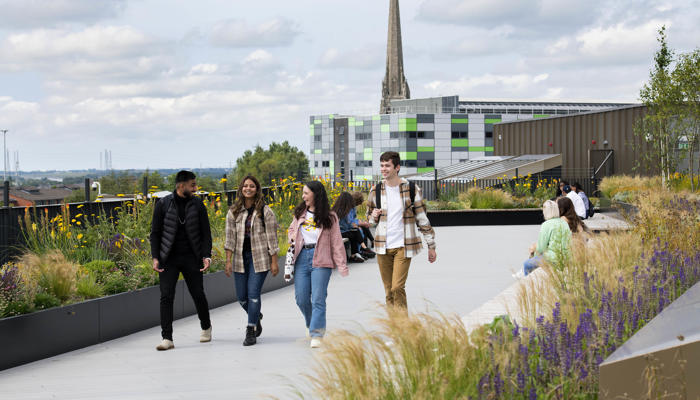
[474, 265]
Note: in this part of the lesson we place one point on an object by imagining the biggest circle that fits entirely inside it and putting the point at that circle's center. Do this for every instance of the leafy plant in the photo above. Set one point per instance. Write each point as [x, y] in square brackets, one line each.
[42, 301]
[88, 287]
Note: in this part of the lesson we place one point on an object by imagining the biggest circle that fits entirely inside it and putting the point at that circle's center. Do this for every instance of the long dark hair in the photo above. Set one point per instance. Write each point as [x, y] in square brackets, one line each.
[322, 214]
[258, 201]
[343, 204]
[566, 209]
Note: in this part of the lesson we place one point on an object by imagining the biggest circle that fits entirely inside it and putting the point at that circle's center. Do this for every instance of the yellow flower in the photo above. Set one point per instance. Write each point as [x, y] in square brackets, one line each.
[79, 215]
[33, 226]
[53, 234]
[78, 223]
[141, 201]
[120, 195]
[68, 234]
[118, 244]
[81, 205]
[80, 236]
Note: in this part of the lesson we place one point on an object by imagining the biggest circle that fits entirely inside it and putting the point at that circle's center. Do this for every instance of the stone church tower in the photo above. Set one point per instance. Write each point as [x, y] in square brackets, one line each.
[394, 85]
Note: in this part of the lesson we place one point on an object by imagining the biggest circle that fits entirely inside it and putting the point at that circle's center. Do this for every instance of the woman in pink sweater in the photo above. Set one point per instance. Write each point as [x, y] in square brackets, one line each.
[318, 249]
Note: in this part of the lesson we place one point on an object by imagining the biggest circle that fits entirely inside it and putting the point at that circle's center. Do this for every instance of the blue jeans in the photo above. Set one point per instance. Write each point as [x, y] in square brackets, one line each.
[248, 287]
[531, 264]
[310, 291]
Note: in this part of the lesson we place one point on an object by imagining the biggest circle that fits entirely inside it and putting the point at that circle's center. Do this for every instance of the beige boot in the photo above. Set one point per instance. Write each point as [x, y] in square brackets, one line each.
[205, 336]
[165, 345]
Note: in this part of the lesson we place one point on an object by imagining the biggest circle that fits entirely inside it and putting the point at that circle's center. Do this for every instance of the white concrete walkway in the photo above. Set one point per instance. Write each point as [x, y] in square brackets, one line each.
[474, 265]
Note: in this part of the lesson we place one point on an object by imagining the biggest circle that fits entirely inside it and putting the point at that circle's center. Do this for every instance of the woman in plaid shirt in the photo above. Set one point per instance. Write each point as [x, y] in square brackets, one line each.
[251, 250]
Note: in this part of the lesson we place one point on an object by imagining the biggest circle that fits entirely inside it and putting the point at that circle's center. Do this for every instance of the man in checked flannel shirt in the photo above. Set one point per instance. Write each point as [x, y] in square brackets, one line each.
[396, 239]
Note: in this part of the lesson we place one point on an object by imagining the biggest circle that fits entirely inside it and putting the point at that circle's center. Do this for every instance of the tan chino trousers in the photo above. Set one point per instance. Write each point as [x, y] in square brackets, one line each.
[393, 267]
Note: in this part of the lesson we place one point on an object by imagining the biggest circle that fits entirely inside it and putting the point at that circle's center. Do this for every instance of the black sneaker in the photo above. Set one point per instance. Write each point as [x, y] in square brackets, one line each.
[249, 336]
[367, 253]
[258, 326]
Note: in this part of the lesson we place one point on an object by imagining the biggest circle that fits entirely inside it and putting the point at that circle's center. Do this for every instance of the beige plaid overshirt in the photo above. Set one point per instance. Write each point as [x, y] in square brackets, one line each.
[263, 239]
[412, 241]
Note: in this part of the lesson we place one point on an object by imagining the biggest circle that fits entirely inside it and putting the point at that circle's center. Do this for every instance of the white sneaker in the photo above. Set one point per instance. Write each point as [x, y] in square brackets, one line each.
[165, 345]
[205, 336]
[357, 258]
[315, 342]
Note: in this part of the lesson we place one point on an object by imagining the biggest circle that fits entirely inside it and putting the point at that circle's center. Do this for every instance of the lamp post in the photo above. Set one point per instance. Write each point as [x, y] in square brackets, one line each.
[4, 153]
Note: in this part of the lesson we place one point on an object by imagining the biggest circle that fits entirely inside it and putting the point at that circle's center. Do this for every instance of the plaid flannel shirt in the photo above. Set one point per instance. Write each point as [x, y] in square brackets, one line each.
[412, 242]
[263, 240]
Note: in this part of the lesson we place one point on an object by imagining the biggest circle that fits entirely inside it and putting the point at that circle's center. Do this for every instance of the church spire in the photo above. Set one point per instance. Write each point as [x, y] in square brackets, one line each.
[394, 85]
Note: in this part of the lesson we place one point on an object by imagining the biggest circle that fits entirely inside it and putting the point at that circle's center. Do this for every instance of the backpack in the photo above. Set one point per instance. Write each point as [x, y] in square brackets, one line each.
[591, 211]
[411, 193]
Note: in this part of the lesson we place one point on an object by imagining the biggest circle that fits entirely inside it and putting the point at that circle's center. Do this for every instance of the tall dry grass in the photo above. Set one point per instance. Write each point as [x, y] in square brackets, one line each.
[606, 258]
[50, 272]
[612, 185]
[422, 356]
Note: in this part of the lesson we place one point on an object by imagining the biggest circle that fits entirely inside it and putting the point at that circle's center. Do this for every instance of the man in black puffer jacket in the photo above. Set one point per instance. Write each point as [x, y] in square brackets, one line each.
[181, 243]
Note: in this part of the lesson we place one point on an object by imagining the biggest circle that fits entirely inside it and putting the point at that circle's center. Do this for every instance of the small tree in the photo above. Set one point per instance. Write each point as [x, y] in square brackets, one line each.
[659, 129]
[686, 75]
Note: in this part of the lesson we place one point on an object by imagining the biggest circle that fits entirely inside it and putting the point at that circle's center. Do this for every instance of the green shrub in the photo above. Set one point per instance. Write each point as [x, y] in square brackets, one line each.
[100, 268]
[88, 287]
[117, 282]
[144, 275]
[17, 307]
[487, 198]
[43, 301]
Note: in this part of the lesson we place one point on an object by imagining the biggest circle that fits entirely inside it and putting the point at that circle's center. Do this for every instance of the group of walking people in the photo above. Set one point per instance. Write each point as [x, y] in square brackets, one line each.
[181, 243]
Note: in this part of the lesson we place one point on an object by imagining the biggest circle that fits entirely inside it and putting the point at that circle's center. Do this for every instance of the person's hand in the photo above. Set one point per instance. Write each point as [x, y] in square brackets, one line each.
[432, 255]
[354, 225]
[156, 265]
[274, 265]
[229, 268]
[532, 248]
[207, 262]
[376, 213]
[364, 224]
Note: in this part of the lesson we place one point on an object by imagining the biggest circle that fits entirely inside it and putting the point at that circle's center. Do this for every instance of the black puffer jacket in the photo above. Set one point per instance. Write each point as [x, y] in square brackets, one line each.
[165, 224]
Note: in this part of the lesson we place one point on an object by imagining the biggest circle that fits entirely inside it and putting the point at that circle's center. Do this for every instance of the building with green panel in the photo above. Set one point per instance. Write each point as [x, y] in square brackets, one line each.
[428, 133]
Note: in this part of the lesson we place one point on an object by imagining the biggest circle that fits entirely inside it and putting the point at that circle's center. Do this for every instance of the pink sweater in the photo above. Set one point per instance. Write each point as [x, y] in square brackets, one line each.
[329, 252]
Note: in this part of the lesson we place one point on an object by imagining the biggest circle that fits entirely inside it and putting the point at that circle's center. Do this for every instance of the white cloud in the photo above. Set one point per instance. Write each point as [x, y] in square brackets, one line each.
[33, 13]
[501, 86]
[239, 33]
[548, 16]
[368, 57]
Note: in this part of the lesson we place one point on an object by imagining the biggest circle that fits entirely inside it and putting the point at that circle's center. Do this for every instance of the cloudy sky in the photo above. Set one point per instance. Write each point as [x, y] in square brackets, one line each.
[169, 84]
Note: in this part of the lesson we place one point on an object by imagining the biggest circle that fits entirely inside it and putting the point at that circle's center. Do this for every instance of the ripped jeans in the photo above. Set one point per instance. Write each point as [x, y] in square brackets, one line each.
[248, 287]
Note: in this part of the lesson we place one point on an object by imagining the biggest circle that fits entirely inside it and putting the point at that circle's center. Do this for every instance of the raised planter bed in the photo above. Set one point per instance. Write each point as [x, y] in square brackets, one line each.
[516, 216]
[43, 334]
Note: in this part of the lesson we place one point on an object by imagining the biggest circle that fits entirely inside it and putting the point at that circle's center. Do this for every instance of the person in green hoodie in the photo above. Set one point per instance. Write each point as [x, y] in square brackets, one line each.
[553, 243]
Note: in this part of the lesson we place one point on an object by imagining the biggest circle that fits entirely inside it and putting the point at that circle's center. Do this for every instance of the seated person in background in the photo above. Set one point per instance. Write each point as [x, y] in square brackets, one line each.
[553, 241]
[579, 206]
[344, 207]
[367, 236]
[576, 187]
[560, 188]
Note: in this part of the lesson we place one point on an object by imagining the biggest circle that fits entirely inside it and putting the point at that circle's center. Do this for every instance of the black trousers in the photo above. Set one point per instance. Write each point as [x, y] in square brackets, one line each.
[355, 239]
[189, 265]
[368, 236]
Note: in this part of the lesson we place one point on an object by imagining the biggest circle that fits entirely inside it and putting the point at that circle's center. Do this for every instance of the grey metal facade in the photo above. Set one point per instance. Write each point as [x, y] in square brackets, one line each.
[578, 138]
